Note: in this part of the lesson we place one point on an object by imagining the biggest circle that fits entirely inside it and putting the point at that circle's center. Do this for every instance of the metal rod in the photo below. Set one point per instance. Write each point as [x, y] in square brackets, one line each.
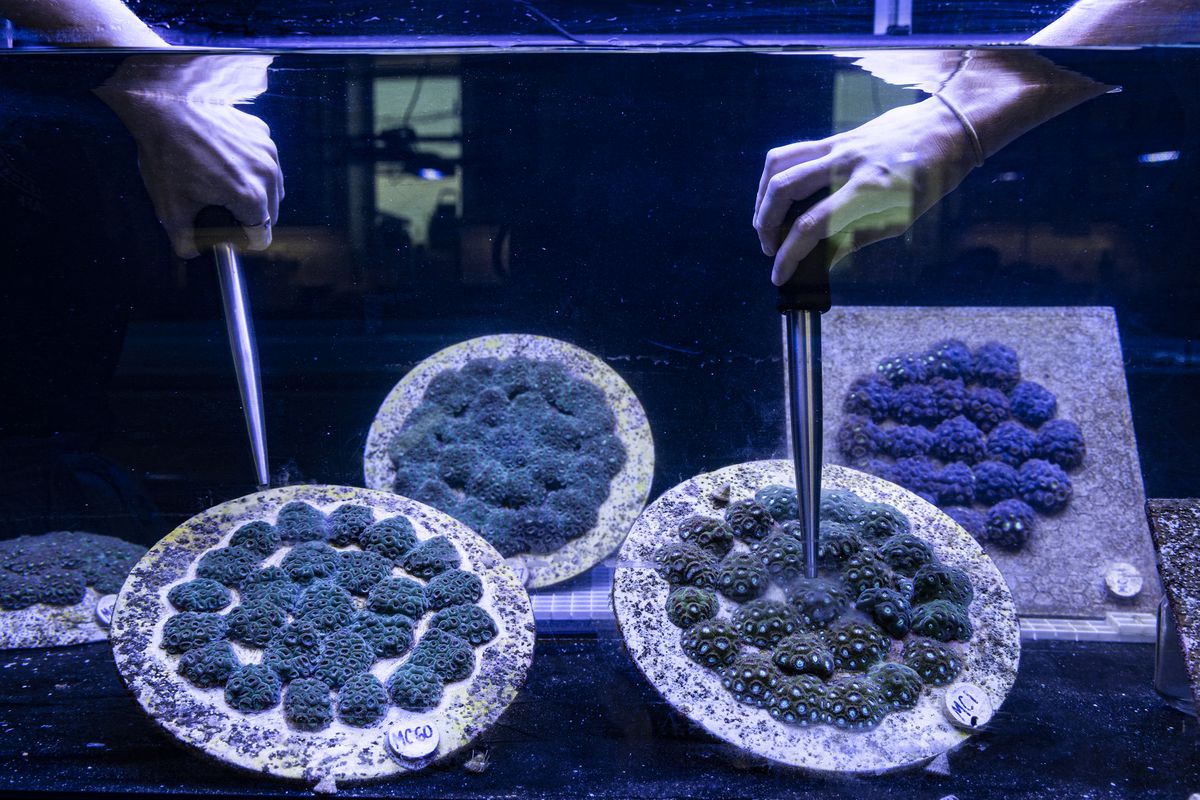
[245, 354]
[804, 403]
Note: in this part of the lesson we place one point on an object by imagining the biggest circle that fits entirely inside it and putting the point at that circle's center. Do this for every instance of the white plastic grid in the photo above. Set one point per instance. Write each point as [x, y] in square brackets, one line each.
[585, 603]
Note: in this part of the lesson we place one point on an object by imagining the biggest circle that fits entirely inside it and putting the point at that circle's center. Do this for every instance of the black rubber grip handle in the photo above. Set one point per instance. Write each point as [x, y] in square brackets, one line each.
[216, 225]
[808, 288]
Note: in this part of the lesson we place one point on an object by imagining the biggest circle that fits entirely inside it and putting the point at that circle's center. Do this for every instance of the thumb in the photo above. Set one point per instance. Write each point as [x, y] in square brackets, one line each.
[180, 226]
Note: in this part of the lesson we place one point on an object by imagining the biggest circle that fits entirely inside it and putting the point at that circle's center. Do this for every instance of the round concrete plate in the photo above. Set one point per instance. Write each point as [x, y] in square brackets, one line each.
[264, 742]
[904, 738]
[628, 491]
[41, 625]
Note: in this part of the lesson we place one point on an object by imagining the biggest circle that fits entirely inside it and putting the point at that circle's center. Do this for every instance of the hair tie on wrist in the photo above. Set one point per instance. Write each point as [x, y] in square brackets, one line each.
[976, 146]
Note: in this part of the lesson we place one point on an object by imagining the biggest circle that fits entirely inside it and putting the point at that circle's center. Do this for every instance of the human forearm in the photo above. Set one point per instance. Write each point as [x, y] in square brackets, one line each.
[1001, 94]
[1122, 22]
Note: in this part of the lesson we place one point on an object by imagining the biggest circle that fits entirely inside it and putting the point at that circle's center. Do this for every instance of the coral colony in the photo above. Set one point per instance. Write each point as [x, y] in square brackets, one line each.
[820, 653]
[518, 450]
[349, 594]
[56, 569]
[962, 430]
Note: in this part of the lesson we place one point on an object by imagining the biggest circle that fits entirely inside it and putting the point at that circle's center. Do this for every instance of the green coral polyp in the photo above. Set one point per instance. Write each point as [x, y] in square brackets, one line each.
[941, 620]
[362, 701]
[711, 644]
[811, 660]
[688, 605]
[741, 576]
[347, 523]
[839, 506]
[252, 688]
[684, 564]
[344, 654]
[468, 622]
[511, 437]
[392, 538]
[390, 635]
[856, 645]
[269, 586]
[779, 501]
[763, 623]
[782, 555]
[888, 608]
[431, 557]
[748, 520]
[300, 522]
[307, 705]
[942, 582]
[804, 654]
[899, 686]
[192, 629]
[293, 651]
[415, 687]
[209, 666]
[453, 588]
[819, 602]
[906, 553]
[707, 533]
[936, 663]
[310, 561]
[798, 700]
[60, 588]
[228, 565]
[863, 571]
[255, 624]
[752, 679]
[446, 654]
[258, 537]
[325, 605]
[398, 596]
[853, 703]
[879, 521]
[359, 570]
[837, 542]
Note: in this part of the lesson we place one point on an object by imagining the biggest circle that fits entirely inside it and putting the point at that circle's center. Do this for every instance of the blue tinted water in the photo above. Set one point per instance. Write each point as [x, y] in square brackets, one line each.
[600, 198]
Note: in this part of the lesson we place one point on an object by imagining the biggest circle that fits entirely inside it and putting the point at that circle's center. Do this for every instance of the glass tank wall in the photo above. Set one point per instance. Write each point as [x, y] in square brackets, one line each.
[605, 199]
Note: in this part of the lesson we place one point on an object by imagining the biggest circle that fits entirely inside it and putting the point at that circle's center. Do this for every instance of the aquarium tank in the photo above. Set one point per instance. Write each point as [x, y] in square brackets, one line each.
[521, 399]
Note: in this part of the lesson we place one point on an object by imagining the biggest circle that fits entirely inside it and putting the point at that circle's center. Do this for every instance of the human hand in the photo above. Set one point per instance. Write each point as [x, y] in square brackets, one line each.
[881, 177]
[886, 173]
[195, 149]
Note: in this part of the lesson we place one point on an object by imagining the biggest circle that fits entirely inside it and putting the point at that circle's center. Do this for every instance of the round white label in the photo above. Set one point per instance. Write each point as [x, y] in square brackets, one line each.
[1123, 580]
[104, 609]
[967, 705]
[413, 738]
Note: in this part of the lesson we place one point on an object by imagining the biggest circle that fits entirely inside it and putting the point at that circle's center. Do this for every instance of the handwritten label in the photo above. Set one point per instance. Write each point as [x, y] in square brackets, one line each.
[1123, 580]
[414, 738]
[967, 706]
[104, 609]
[519, 567]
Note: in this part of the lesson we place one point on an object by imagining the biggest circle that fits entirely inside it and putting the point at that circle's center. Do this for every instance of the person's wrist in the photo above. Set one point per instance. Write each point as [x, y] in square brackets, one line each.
[205, 78]
[1002, 94]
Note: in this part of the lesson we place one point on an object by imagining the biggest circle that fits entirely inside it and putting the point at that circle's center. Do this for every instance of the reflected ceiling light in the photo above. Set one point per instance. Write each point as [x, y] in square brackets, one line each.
[1159, 157]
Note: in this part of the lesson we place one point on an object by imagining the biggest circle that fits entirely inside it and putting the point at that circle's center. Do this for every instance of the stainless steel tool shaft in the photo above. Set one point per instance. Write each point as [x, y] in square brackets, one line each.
[218, 231]
[804, 407]
[240, 326]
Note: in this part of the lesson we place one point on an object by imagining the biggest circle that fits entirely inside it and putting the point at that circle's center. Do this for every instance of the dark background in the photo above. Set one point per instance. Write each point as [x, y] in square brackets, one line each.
[621, 187]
